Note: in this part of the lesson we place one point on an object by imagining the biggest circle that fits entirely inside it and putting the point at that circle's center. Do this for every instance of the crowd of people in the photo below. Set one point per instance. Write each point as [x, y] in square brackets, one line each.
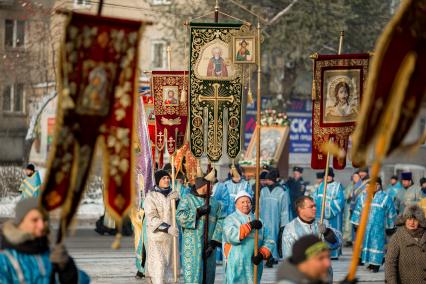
[215, 223]
[289, 212]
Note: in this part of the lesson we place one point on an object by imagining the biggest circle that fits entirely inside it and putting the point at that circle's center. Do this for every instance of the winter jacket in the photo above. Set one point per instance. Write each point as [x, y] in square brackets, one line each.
[289, 274]
[25, 259]
[406, 255]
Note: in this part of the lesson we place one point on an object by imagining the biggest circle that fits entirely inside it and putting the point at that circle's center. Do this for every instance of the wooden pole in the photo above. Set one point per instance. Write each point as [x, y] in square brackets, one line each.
[324, 194]
[342, 34]
[175, 250]
[216, 12]
[206, 227]
[100, 6]
[258, 130]
[375, 169]
[169, 58]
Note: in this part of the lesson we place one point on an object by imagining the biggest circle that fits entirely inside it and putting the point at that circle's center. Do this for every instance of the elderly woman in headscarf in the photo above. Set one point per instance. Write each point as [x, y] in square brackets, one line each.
[406, 256]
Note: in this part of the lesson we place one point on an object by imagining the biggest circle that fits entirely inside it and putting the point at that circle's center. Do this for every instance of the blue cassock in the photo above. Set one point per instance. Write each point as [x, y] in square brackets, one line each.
[193, 237]
[382, 216]
[17, 267]
[334, 207]
[392, 190]
[274, 210]
[297, 229]
[238, 263]
[30, 187]
[226, 192]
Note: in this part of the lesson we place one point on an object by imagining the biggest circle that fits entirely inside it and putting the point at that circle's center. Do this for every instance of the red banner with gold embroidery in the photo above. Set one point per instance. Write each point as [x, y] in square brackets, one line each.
[171, 108]
[338, 84]
[98, 89]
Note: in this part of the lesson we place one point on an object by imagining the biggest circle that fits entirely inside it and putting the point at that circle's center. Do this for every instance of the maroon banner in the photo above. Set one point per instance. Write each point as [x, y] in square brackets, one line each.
[396, 85]
[338, 84]
[171, 110]
[97, 100]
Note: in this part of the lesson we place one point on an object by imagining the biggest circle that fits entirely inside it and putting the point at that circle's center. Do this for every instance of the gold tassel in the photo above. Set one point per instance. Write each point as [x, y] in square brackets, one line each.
[250, 96]
[234, 171]
[183, 95]
[199, 171]
[117, 242]
[314, 90]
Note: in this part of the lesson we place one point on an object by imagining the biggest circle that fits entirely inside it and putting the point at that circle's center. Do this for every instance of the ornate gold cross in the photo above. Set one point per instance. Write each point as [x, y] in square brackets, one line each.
[216, 100]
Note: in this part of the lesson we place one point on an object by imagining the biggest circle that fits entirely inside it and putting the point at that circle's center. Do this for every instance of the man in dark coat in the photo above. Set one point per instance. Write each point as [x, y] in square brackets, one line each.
[297, 187]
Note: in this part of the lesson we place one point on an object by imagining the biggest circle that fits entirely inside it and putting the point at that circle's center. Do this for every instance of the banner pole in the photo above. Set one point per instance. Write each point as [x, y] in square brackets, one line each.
[175, 253]
[258, 128]
[324, 194]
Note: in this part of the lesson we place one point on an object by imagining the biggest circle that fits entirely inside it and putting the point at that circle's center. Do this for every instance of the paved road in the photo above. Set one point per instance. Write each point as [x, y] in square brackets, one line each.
[93, 253]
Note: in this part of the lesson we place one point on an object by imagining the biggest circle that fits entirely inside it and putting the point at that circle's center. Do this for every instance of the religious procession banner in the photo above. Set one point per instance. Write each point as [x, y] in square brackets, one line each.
[396, 83]
[215, 85]
[170, 108]
[97, 96]
[143, 150]
[148, 103]
[337, 88]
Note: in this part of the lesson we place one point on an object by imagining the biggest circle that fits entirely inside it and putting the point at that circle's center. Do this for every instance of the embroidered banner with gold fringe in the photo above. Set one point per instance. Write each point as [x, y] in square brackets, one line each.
[215, 85]
[97, 96]
[338, 84]
[396, 84]
[170, 108]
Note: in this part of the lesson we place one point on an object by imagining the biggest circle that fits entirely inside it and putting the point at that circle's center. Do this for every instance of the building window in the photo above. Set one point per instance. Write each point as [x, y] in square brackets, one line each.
[161, 2]
[13, 98]
[81, 3]
[159, 54]
[14, 33]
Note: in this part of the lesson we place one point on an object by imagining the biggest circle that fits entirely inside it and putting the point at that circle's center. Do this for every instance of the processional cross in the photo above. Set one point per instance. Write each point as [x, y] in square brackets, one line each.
[215, 100]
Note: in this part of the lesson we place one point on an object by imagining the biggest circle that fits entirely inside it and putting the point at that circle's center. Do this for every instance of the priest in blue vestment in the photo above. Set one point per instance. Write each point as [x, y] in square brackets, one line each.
[239, 239]
[334, 205]
[191, 215]
[381, 222]
[274, 210]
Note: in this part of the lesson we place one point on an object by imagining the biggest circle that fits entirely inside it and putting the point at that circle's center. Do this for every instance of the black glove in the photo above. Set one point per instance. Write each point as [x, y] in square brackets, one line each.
[346, 281]
[63, 264]
[329, 236]
[279, 245]
[203, 210]
[390, 232]
[255, 224]
[164, 227]
[211, 247]
[257, 259]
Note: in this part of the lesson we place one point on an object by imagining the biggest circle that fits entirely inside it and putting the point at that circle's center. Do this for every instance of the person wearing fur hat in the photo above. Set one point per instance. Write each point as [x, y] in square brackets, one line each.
[160, 229]
[334, 205]
[274, 210]
[409, 194]
[406, 257]
[25, 256]
[191, 214]
[297, 187]
[238, 238]
[309, 262]
[226, 191]
[381, 223]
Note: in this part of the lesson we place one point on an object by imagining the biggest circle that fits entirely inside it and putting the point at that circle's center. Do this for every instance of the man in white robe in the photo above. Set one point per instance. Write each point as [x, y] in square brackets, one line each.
[160, 230]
